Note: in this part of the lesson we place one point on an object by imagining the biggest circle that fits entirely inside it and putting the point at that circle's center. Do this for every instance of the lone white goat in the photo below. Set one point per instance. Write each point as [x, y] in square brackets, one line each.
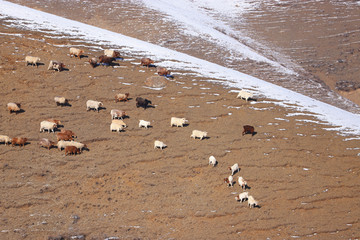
[245, 95]
[212, 161]
[178, 121]
[252, 202]
[234, 168]
[159, 144]
[143, 123]
[91, 104]
[242, 196]
[242, 183]
[198, 134]
[230, 181]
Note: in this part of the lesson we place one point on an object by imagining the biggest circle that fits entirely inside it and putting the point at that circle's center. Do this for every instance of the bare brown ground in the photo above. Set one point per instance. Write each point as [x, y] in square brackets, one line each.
[305, 178]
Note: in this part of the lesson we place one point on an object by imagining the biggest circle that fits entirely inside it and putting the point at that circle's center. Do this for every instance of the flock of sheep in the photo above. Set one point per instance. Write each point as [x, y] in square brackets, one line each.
[65, 138]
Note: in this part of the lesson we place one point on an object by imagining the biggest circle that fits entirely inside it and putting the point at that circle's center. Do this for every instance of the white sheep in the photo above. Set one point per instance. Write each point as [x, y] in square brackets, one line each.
[76, 52]
[79, 145]
[62, 144]
[111, 53]
[116, 127]
[234, 168]
[49, 126]
[159, 144]
[115, 113]
[178, 121]
[61, 101]
[198, 134]
[212, 161]
[245, 95]
[13, 107]
[143, 123]
[230, 181]
[32, 60]
[91, 104]
[242, 182]
[252, 202]
[242, 196]
[5, 139]
[120, 122]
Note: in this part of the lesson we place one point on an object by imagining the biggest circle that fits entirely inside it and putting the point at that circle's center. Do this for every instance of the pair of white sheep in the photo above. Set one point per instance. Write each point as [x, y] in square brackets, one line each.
[245, 196]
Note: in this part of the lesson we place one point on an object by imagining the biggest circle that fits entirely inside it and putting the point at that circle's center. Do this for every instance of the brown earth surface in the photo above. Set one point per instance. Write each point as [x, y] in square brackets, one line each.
[305, 178]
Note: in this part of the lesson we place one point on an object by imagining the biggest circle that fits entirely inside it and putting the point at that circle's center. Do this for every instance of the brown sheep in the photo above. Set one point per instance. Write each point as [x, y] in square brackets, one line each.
[68, 132]
[248, 129]
[71, 150]
[18, 141]
[162, 71]
[64, 137]
[107, 60]
[93, 62]
[146, 62]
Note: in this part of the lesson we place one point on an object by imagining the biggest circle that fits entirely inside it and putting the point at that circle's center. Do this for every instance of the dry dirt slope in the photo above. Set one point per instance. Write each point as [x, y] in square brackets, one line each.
[302, 175]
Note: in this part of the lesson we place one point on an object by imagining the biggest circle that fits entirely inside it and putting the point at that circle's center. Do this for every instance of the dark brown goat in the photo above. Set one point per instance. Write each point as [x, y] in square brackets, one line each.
[248, 129]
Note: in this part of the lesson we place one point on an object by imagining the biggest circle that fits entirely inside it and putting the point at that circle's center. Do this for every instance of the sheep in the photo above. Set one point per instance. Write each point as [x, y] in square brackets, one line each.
[142, 102]
[248, 129]
[115, 113]
[68, 132]
[212, 161]
[57, 122]
[198, 134]
[178, 121]
[143, 123]
[76, 52]
[71, 150]
[32, 60]
[116, 127]
[242, 196]
[18, 141]
[234, 168]
[61, 101]
[93, 62]
[79, 145]
[91, 104]
[245, 95]
[64, 137]
[159, 144]
[13, 107]
[56, 65]
[162, 71]
[252, 202]
[111, 53]
[146, 62]
[242, 183]
[120, 122]
[49, 126]
[5, 139]
[122, 97]
[62, 144]
[44, 142]
[229, 181]
[106, 60]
